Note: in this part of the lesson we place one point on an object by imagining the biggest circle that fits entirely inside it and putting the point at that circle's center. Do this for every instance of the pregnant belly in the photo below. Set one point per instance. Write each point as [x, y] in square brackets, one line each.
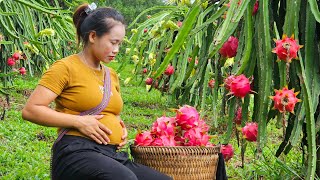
[112, 123]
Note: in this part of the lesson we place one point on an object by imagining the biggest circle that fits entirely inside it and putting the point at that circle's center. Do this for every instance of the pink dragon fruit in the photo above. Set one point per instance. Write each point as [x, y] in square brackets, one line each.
[164, 126]
[164, 141]
[194, 137]
[187, 117]
[240, 86]
[229, 48]
[250, 131]
[227, 151]
[179, 140]
[228, 81]
[285, 100]
[287, 48]
[143, 139]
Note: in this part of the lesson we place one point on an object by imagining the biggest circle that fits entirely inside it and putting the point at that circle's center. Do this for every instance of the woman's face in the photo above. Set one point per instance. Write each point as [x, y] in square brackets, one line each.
[106, 47]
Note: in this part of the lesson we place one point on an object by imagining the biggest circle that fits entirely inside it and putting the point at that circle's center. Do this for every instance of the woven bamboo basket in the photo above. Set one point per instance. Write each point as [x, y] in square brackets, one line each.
[180, 162]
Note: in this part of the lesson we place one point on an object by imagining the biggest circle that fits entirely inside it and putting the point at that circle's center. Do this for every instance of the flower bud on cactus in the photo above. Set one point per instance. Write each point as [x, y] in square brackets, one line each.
[286, 48]
[285, 100]
[229, 48]
[227, 151]
[250, 131]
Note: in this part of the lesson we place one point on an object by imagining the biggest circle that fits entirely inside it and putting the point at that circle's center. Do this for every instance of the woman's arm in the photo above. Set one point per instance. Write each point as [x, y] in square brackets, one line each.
[37, 111]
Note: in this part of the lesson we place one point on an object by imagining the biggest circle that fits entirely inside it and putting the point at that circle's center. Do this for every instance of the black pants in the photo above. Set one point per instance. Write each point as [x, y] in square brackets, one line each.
[80, 158]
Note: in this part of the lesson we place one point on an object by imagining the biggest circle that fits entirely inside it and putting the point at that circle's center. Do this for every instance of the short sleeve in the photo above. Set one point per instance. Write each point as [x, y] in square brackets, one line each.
[56, 78]
[115, 78]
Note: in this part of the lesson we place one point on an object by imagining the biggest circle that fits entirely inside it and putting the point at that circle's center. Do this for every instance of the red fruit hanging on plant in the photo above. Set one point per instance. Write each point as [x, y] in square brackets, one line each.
[255, 8]
[238, 117]
[250, 131]
[227, 151]
[229, 48]
[23, 71]
[145, 70]
[211, 83]
[145, 30]
[11, 61]
[285, 100]
[179, 23]
[149, 81]
[287, 48]
[240, 86]
[169, 71]
[16, 56]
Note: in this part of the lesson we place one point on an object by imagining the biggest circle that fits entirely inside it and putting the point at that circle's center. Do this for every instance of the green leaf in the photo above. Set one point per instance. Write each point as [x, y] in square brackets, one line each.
[181, 37]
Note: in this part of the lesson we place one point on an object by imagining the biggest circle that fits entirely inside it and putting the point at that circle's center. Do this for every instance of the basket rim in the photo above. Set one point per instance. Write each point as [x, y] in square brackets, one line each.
[178, 147]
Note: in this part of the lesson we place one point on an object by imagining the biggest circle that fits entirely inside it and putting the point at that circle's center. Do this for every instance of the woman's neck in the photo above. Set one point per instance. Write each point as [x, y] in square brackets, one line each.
[89, 60]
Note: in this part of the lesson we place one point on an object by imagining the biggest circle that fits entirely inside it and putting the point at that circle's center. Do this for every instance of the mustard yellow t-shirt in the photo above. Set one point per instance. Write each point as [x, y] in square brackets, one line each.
[80, 88]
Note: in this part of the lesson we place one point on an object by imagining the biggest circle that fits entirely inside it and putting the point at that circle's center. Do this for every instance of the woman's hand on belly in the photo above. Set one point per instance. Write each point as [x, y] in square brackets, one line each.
[91, 127]
[124, 136]
[114, 124]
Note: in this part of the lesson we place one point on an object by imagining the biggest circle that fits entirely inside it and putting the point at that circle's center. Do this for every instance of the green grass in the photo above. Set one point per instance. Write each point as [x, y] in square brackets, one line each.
[25, 147]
